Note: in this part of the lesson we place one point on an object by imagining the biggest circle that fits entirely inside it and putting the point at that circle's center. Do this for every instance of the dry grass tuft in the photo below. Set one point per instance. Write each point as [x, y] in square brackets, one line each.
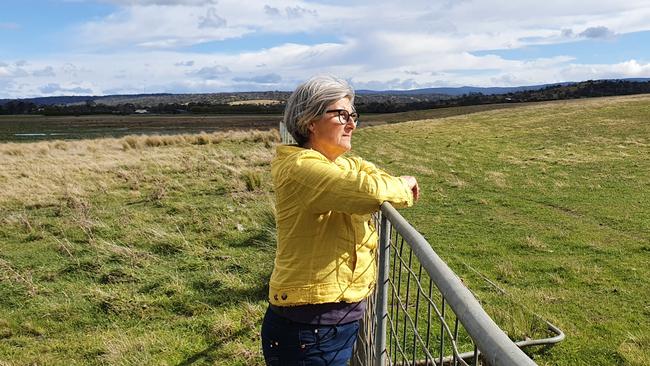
[61, 145]
[153, 141]
[10, 274]
[159, 191]
[533, 243]
[124, 349]
[80, 207]
[44, 171]
[224, 327]
[252, 179]
[121, 253]
[634, 349]
[5, 332]
[454, 181]
[497, 178]
[13, 151]
[203, 138]
[507, 273]
[19, 219]
[130, 142]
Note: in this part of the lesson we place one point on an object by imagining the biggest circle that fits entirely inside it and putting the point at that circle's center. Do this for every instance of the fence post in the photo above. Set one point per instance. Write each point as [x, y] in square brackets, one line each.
[381, 311]
[285, 136]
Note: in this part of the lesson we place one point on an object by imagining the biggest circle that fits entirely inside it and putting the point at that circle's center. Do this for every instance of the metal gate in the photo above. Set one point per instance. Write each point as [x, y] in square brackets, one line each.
[422, 314]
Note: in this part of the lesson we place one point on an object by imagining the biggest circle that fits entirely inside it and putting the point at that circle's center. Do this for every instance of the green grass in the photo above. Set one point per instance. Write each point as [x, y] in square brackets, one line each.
[551, 203]
[157, 251]
[381, 118]
[158, 256]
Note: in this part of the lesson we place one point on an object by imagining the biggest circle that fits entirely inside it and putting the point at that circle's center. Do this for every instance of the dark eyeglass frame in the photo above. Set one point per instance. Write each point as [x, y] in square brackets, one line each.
[346, 116]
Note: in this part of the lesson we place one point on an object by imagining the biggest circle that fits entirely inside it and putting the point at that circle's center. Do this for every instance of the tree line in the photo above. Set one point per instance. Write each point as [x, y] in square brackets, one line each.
[365, 104]
[90, 108]
[586, 89]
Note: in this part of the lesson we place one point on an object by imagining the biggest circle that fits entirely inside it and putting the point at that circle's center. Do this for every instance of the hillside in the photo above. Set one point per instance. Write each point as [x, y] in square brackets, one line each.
[251, 103]
[400, 97]
[156, 250]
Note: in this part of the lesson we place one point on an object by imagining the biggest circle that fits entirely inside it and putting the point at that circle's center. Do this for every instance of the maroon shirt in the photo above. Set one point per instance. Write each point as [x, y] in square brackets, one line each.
[324, 314]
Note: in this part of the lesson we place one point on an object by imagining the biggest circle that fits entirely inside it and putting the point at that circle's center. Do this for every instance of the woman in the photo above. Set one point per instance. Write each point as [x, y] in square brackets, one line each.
[325, 260]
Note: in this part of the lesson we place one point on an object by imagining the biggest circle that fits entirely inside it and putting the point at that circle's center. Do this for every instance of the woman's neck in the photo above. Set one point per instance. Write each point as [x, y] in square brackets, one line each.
[329, 155]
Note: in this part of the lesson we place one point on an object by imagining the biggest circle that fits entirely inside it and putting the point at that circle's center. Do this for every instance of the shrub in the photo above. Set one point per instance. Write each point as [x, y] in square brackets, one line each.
[130, 142]
[14, 152]
[61, 145]
[252, 179]
[153, 141]
[203, 139]
[216, 138]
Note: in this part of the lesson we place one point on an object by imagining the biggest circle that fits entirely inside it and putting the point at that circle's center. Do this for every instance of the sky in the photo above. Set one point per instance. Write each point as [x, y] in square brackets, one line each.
[101, 47]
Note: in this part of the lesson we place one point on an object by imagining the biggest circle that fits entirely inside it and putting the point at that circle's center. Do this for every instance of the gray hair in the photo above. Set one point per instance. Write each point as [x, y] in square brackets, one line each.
[308, 102]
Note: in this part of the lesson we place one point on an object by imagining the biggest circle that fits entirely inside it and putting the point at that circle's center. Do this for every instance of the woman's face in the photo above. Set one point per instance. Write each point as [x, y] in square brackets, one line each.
[328, 136]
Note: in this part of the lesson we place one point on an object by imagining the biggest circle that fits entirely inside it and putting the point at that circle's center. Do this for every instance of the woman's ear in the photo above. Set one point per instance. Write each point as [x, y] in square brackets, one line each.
[311, 127]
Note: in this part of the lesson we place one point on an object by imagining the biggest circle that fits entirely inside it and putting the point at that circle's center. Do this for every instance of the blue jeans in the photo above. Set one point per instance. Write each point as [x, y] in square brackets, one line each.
[287, 343]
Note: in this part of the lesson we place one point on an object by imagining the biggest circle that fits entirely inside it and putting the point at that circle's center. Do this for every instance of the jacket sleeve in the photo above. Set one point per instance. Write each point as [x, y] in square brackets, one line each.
[369, 167]
[324, 186]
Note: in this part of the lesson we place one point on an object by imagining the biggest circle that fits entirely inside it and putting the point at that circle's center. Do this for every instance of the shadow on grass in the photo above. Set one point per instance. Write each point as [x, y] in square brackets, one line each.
[209, 353]
[263, 238]
[232, 295]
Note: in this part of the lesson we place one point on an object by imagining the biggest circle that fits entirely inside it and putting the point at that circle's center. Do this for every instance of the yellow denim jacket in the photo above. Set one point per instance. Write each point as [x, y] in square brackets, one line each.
[326, 241]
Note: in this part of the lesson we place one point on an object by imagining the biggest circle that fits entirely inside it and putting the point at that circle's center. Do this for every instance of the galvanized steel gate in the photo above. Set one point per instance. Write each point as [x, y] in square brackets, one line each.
[422, 314]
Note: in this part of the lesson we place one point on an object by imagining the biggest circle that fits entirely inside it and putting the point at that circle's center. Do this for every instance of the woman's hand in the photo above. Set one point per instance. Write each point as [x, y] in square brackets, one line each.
[413, 184]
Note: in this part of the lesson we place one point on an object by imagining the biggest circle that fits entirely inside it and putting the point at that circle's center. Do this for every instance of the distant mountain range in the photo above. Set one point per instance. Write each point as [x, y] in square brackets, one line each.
[77, 99]
[457, 91]
[154, 99]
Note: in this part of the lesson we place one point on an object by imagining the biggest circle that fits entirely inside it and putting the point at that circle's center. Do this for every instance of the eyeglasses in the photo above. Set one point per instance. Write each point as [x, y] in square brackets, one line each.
[344, 116]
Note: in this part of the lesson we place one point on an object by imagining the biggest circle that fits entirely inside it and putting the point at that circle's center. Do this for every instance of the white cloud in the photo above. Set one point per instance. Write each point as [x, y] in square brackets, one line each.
[173, 24]
[143, 45]
[158, 26]
[44, 72]
[56, 89]
[299, 12]
[627, 69]
[9, 71]
[271, 10]
[260, 79]
[462, 26]
[392, 84]
[210, 72]
[597, 32]
[163, 2]
[506, 23]
[184, 63]
[212, 20]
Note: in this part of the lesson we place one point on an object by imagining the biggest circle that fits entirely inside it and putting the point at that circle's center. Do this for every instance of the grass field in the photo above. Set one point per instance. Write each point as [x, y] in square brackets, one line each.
[30, 128]
[550, 202]
[141, 250]
[156, 250]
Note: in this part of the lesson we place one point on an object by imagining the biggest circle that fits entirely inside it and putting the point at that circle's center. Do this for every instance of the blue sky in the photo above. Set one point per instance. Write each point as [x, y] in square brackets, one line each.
[67, 47]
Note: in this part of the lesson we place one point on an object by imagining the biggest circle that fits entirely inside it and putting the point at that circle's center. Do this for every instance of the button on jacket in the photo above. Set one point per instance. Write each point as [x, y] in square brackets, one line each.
[326, 240]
